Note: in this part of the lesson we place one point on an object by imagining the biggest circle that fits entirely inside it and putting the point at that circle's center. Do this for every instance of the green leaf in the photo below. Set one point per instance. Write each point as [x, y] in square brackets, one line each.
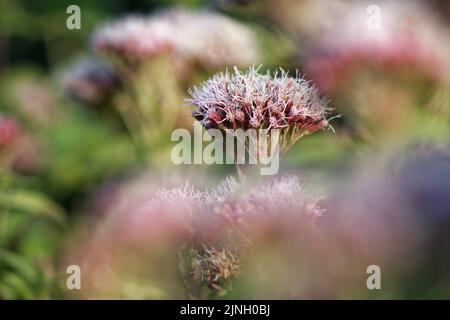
[31, 202]
[22, 266]
[21, 289]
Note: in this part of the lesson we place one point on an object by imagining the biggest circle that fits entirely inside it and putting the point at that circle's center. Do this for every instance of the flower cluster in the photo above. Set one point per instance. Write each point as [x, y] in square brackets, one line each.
[213, 231]
[273, 198]
[226, 41]
[133, 36]
[226, 221]
[259, 101]
[19, 150]
[408, 38]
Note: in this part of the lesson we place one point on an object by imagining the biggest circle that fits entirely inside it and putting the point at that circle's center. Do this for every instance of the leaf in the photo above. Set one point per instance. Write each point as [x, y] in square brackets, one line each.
[21, 266]
[33, 203]
[20, 288]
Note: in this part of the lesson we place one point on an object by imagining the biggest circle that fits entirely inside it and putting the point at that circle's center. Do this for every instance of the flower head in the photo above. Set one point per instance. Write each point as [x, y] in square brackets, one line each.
[408, 39]
[226, 42]
[275, 203]
[135, 37]
[209, 236]
[253, 100]
[231, 219]
[181, 33]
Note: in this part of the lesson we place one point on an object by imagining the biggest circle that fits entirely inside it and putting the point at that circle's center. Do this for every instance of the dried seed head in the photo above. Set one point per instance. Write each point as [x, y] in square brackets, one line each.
[132, 37]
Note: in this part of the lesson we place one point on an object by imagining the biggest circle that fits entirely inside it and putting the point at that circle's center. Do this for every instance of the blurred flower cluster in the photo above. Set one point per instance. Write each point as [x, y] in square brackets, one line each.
[211, 233]
[252, 100]
[188, 36]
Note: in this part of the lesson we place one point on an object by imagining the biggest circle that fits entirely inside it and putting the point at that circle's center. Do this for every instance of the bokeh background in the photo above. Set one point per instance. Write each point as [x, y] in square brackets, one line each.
[76, 163]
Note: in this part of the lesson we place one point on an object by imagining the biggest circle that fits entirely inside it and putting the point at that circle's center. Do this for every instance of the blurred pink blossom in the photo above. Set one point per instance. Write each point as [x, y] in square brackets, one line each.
[409, 37]
[180, 32]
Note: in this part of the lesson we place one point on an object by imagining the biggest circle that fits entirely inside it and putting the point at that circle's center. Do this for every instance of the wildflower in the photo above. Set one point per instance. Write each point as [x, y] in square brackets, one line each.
[232, 209]
[231, 200]
[89, 81]
[207, 235]
[278, 197]
[131, 36]
[409, 38]
[180, 33]
[251, 100]
[227, 220]
[226, 43]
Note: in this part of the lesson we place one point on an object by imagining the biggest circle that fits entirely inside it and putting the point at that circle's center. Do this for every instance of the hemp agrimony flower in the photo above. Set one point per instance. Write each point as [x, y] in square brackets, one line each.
[207, 238]
[252, 100]
[225, 223]
[202, 37]
[410, 38]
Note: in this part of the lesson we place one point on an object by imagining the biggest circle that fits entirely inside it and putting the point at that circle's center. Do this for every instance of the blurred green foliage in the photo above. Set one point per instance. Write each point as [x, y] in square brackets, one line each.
[31, 227]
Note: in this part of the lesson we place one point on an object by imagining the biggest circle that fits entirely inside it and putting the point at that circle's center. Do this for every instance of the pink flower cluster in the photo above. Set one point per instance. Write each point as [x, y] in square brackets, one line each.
[206, 235]
[180, 32]
[210, 215]
[132, 36]
[259, 101]
[407, 38]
